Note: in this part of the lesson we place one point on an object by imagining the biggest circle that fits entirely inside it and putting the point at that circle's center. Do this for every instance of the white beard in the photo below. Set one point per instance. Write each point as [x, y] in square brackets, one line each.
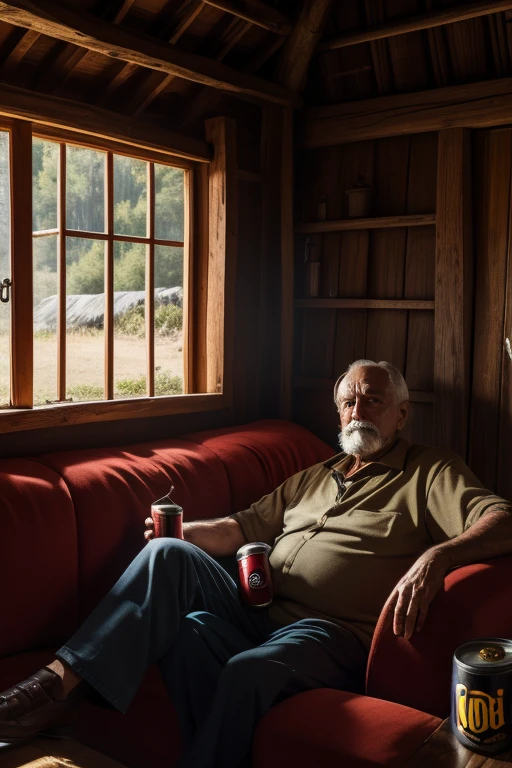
[360, 438]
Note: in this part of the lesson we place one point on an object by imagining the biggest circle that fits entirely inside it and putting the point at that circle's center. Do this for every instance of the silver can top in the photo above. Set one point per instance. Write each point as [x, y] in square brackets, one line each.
[254, 548]
[485, 655]
[166, 506]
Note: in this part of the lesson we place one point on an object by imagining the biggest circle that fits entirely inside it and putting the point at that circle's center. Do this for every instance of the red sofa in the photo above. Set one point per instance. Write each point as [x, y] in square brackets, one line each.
[72, 521]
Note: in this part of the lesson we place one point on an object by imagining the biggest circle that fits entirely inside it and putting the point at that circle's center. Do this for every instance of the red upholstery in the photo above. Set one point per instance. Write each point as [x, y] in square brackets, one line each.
[335, 729]
[112, 491]
[475, 603]
[72, 521]
[38, 589]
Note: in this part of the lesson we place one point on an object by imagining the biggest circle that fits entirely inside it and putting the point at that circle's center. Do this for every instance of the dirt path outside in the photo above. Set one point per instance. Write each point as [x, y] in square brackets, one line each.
[85, 361]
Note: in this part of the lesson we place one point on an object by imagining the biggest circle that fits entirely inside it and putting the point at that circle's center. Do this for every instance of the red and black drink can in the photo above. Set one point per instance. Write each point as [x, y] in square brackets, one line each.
[167, 517]
[482, 695]
[254, 572]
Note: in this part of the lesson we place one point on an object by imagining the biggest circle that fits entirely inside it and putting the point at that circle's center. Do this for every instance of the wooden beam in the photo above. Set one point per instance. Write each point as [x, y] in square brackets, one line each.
[223, 209]
[22, 365]
[452, 324]
[364, 304]
[297, 51]
[256, 12]
[57, 20]
[476, 105]
[415, 23]
[64, 113]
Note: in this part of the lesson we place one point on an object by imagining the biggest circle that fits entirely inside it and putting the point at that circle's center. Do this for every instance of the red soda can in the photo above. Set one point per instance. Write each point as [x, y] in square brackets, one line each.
[254, 571]
[167, 517]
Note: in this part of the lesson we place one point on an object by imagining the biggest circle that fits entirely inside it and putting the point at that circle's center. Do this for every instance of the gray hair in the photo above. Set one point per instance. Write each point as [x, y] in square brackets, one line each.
[395, 377]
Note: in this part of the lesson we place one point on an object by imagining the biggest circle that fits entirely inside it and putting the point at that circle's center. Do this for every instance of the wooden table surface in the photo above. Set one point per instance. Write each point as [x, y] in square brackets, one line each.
[54, 753]
[443, 750]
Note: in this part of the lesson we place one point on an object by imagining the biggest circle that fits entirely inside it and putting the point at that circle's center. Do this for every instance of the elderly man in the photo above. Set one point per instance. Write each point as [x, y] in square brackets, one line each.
[383, 517]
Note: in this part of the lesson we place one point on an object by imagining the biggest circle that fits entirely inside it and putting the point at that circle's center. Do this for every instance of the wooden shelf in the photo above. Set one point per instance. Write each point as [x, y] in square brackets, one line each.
[383, 222]
[327, 385]
[363, 304]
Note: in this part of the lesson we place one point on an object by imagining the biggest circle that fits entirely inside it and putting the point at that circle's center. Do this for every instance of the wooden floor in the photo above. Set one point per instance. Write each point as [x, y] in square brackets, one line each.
[54, 753]
[442, 750]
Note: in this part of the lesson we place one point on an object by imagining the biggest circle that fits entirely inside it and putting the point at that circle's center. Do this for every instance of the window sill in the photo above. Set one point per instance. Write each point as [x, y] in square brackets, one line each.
[65, 414]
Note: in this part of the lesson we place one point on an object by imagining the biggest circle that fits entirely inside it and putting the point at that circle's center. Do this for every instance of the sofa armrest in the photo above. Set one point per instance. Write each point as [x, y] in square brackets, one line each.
[475, 602]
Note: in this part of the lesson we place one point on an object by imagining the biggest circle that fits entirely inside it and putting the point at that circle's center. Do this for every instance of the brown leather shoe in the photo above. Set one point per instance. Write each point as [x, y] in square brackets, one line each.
[33, 707]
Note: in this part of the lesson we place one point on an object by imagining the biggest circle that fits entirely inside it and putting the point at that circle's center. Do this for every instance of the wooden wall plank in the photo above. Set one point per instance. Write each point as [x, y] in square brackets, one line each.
[504, 478]
[287, 258]
[493, 157]
[453, 299]
[419, 281]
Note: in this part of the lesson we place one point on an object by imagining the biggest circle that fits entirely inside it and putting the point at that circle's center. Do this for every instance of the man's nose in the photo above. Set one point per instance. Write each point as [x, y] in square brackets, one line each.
[357, 411]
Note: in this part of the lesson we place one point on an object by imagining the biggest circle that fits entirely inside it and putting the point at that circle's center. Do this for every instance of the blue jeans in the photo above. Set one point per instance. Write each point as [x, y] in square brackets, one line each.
[223, 664]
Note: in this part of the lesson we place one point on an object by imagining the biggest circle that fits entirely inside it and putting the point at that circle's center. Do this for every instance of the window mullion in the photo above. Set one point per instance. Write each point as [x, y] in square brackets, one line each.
[188, 345]
[61, 269]
[150, 283]
[22, 337]
[109, 278]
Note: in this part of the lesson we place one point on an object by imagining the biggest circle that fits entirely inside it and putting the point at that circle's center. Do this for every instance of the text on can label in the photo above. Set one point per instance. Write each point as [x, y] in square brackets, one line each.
[478, 711]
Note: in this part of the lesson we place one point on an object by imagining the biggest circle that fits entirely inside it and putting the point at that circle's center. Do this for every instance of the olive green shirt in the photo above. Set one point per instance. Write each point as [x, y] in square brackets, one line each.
[338, 555]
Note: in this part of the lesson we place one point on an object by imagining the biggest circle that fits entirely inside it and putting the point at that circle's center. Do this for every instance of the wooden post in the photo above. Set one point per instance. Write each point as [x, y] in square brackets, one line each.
[221, 132]
[22, 345]
[453, 291]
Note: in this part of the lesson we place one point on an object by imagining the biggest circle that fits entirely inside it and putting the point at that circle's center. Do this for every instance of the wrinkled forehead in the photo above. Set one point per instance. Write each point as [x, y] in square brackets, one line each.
[365, 380]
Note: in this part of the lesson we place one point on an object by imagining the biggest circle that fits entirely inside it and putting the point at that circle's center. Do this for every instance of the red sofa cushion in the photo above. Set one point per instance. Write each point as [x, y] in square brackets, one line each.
[258, 457]
[417, 672]
[38, 545]
[332, 728]
[112, 491]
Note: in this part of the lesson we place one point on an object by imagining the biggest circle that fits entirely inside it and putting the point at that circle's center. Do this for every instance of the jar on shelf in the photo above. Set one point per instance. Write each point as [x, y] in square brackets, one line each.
[359, 199]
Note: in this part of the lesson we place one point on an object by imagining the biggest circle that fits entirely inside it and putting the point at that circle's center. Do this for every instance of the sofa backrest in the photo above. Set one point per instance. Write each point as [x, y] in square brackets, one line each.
[72, 521]
[475, 602]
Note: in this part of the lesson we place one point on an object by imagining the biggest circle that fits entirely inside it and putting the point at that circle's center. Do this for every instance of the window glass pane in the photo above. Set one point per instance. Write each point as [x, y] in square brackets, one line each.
[168, 320]
[85, 310]
[169, 203]
[130, 196]
[45, 163]
[45, 319]
[129, 320]
[5, 268]
[85, 194]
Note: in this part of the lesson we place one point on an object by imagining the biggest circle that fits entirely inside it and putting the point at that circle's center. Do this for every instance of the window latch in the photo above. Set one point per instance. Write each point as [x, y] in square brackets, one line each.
[5, 290]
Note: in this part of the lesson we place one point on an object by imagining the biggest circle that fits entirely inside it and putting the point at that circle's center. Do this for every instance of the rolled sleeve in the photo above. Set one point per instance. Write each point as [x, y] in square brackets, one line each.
[263, 521]
[456, 500]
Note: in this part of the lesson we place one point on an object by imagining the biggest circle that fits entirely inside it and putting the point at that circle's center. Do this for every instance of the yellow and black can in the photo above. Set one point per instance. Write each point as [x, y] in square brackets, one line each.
[482, 695]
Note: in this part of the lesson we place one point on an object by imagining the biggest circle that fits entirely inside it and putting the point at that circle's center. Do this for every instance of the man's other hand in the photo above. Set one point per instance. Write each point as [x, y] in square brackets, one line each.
[149, 533]
[416, 590]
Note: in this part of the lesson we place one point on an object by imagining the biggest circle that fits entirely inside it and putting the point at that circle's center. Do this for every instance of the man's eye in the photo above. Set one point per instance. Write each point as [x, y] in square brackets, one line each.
[373, 400]
[348, 403]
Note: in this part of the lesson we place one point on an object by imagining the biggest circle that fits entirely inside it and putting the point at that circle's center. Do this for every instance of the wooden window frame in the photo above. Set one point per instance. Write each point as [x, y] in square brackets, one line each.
[210, 239]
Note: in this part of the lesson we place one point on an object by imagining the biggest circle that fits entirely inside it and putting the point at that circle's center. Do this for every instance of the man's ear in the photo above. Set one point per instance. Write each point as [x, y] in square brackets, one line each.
[404, 413]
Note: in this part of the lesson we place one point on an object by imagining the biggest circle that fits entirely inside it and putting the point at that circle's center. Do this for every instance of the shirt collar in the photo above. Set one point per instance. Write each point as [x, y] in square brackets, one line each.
[394, 458]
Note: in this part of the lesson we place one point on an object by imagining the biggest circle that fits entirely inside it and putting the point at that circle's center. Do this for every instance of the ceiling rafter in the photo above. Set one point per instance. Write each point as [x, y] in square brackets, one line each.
[255, 12]
[299, 47]
[438, 53]
[374, 12]
[499, 44]
[191, 14]
[429, 20]
[69, 56]
[54, 19]
[20, 49]
[234, 32]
